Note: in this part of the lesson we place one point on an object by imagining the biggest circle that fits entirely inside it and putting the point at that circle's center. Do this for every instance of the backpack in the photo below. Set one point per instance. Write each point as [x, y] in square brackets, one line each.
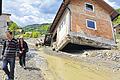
[25, 45]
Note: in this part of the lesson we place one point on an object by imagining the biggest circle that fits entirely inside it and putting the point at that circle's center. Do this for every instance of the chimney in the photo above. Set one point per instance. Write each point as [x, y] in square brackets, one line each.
[0, 7]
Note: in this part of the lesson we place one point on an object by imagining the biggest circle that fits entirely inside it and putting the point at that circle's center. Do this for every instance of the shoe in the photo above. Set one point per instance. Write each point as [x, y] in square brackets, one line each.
[24, 67]
[7, 78]
[21, 66]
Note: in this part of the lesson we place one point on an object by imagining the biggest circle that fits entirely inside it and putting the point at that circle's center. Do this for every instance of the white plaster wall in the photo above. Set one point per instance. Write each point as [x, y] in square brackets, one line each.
[65, 23]
[3, 25]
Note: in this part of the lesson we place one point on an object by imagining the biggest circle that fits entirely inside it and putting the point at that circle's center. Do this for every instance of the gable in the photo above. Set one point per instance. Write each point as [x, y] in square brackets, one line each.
[113, 13]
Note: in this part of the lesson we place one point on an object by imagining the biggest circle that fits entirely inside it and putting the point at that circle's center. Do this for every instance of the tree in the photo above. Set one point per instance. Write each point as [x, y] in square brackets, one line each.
[13, 27]
[118, 10]
[117, 20]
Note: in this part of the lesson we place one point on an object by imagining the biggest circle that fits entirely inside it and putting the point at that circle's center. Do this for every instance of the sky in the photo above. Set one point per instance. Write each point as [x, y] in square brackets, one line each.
[26, 12]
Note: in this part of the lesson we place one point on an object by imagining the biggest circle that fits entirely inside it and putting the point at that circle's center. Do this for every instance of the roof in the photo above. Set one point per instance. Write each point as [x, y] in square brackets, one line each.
[6, 14]
[111, 10]
[102, 3]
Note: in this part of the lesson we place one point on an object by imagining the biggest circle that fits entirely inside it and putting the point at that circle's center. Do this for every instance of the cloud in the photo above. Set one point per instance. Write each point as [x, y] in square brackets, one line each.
[26, 12]
[113, 3]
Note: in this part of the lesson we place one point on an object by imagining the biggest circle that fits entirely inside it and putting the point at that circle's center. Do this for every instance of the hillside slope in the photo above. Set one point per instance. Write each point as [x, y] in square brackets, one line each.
[42, 28]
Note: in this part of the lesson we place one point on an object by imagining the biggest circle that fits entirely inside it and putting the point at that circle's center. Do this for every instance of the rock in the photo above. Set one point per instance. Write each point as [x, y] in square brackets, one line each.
[85, 54]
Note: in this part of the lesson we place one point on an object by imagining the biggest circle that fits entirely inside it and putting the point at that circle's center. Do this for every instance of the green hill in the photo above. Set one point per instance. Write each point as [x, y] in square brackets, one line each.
[36, 30]
[42, 28]
[118, 10]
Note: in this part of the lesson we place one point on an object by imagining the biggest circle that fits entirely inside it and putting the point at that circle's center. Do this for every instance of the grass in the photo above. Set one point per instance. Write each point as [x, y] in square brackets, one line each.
[118, 36]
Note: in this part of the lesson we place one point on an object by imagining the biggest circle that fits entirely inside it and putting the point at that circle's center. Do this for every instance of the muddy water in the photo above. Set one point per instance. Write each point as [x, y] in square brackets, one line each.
[68, 69]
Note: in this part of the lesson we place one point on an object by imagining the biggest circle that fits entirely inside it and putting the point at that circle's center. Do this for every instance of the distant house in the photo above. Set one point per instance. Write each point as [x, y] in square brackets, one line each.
[84, 22]
[117, 29]
[4, 21]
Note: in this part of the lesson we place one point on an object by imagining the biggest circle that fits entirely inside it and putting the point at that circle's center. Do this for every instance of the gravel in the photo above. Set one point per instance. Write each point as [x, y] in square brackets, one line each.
[32, 71]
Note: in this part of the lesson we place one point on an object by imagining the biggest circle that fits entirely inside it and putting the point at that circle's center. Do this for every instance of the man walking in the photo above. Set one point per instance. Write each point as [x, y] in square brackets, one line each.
[10, 49]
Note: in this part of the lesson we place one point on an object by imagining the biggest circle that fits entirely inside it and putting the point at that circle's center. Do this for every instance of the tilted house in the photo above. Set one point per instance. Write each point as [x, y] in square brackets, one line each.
[84, 22]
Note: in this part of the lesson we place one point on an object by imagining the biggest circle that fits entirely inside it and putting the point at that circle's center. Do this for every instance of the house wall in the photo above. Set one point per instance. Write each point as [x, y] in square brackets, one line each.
[102, 18]
[63, 26]
[3, 25]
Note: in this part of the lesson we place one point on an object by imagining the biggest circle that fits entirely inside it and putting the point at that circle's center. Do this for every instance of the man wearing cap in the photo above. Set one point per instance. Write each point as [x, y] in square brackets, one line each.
[10, 49]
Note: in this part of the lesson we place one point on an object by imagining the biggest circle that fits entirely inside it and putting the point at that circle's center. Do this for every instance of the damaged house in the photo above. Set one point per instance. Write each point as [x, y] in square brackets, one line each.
[84, 22]
[4, 21]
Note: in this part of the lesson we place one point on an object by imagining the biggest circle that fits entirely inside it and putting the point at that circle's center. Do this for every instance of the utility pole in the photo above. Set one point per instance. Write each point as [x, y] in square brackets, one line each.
[0, 7]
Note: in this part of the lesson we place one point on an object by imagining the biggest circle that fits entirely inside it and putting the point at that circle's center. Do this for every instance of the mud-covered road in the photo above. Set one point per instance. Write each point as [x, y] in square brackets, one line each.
[63, 67]
[45, 64]
[32, 71]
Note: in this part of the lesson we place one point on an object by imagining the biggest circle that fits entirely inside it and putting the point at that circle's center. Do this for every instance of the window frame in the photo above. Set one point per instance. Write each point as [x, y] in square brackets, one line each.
[91, 5]
[90, 27]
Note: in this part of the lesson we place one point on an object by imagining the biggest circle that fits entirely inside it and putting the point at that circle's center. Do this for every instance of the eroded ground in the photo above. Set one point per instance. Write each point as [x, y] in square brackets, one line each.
[68, 68]
[45, 64]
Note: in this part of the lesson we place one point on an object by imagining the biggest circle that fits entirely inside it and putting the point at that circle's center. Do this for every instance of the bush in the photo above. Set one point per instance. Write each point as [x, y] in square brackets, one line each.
[35, 34]
[27, 35]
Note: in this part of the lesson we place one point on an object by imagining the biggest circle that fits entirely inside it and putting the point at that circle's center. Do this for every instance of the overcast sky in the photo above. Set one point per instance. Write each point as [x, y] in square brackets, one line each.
[26, 12]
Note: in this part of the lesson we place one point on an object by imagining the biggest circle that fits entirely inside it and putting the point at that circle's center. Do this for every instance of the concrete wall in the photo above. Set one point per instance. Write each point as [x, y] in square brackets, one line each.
[3, 25]
[100, 15]
[63, 26]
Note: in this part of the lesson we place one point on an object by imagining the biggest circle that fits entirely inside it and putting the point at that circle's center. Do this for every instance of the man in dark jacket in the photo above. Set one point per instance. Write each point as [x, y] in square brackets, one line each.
[10, 49]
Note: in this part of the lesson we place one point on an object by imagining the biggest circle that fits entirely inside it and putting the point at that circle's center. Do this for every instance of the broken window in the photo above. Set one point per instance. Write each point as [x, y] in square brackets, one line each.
[89, 7]
[91, 24]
